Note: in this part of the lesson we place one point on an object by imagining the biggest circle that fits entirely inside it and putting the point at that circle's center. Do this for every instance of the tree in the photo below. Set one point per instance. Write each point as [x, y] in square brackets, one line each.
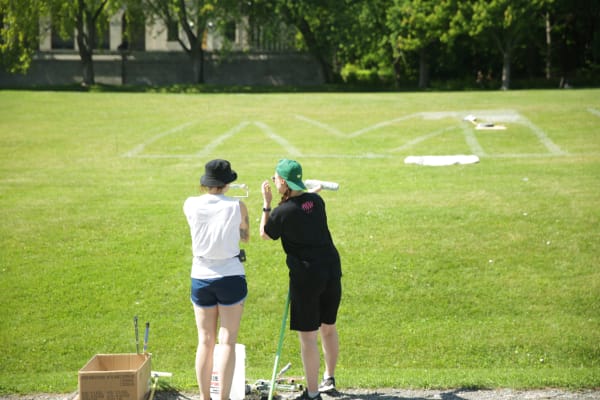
[193, 17]
[315, 23]
[19, 33]
[505, 24]
[416, 25]
[324, 26]
[87, 18]
[87, 15]
[373, 44]
[575, 32]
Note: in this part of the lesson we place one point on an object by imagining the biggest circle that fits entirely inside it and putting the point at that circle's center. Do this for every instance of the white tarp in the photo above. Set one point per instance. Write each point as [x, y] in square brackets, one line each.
[438, 161]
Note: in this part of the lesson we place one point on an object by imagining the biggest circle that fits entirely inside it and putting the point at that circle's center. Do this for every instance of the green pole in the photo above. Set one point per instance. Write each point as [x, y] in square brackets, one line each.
[279, 345]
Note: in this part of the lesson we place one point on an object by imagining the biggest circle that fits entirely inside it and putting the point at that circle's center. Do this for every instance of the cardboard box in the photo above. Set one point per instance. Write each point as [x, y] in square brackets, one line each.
[115, 377]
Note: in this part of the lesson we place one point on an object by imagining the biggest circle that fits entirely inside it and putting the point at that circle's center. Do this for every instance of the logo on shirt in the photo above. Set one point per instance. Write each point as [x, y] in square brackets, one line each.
[308, 207]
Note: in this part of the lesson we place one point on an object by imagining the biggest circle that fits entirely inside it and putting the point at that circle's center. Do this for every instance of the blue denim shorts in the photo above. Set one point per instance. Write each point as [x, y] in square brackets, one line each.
[225, 291]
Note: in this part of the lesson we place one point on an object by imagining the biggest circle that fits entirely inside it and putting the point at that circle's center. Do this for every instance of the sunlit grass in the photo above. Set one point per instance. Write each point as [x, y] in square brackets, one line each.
[479, 275]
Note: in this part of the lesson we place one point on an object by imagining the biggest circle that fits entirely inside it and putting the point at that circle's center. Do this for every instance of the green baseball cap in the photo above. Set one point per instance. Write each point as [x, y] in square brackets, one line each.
[291, 171]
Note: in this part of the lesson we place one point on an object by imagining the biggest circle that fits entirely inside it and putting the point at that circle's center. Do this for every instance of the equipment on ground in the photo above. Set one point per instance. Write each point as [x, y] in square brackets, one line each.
[137, 336]
[483, 125]
[146, 333]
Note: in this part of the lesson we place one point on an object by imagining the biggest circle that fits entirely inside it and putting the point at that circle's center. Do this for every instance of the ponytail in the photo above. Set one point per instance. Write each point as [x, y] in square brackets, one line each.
[286, 196]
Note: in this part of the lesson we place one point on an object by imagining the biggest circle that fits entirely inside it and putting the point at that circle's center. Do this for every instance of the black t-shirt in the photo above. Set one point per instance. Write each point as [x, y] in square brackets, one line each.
[301, 223]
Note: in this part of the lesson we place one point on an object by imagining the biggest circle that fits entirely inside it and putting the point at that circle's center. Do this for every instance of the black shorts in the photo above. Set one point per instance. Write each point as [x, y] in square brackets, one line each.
[315, 293]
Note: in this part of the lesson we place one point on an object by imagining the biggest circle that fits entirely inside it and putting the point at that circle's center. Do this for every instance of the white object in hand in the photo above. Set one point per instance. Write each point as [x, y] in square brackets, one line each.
[238, 186]
[325, 185]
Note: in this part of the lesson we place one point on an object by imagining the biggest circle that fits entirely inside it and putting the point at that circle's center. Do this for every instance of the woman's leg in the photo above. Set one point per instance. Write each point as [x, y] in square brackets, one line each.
[311, 359]
[228, 333]
[206, 321]
[331, 348]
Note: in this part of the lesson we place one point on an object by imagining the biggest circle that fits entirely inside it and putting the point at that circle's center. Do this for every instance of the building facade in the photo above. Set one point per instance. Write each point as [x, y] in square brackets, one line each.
[155, 57]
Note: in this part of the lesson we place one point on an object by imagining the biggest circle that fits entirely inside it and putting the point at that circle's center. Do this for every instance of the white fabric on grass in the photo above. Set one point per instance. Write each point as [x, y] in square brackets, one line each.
[438, 161]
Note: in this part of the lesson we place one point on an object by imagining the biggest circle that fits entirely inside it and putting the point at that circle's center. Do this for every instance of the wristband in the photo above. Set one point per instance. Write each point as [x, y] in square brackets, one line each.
[266, 209]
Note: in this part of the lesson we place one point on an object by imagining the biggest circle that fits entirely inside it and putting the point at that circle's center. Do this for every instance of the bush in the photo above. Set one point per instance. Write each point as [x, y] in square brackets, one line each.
[372, 77]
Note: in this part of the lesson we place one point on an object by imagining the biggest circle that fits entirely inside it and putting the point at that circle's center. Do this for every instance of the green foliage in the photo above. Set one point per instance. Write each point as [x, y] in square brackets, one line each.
[417, 23]
[19, 33]
[434, 40]
[66, 16]
[480, 275]
[372, 78]
[505, 20]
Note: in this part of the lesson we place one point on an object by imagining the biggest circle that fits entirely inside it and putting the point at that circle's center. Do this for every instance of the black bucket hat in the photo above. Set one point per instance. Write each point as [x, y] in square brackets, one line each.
[218, 173]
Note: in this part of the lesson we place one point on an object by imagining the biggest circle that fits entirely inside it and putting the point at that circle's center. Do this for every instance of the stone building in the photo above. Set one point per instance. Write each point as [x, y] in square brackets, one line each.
[155, 57]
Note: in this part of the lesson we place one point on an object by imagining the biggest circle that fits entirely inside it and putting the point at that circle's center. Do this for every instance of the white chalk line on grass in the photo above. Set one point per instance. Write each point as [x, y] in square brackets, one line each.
[422, 139]
[381, 125]
[367, 156]
[210, 147]
[280, 140]
[321, 125]
[532, 155]
[142, 146]
[472, 142]
[594, 111]
[221, 139]
[354, 134]
[467, 129]
[503, 116]
[542, 137]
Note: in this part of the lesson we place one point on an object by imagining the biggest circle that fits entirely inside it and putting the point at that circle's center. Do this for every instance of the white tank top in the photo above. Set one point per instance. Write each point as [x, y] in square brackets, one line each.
[214, 222]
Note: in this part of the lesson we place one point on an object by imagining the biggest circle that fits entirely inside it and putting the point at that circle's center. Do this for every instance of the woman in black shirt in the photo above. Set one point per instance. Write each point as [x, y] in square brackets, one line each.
[314, 268]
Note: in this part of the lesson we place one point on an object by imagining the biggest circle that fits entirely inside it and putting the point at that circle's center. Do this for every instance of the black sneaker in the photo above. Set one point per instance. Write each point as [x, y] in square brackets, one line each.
[327, 385]
[305, 396]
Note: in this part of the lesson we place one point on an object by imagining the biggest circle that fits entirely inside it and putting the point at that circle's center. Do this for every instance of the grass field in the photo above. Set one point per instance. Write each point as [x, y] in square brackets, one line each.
[481, 275]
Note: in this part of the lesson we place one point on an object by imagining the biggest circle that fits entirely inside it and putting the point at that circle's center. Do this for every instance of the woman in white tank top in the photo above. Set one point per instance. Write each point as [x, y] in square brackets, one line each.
[218, 283]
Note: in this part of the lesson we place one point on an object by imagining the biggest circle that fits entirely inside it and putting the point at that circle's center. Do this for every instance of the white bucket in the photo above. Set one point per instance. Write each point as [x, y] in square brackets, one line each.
[238, 385]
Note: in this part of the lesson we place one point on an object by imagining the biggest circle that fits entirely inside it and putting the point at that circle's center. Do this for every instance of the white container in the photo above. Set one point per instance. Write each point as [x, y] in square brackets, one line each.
[238, 385]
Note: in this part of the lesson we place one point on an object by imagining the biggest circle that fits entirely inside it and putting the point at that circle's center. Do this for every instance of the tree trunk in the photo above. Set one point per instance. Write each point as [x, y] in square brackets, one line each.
[506, 70]
[87, 68]
[317, 51]
[197, 55]
[397, 71]
[326, 69]
[423, 69]
[194, 34]
[85, 42]
[548, 47]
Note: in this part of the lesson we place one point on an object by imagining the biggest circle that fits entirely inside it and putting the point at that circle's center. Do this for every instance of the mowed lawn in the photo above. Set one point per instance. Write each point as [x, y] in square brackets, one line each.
[477, 275]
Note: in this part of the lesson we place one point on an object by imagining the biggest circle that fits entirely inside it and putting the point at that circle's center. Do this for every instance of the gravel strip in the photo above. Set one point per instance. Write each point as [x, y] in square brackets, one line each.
[378, 394]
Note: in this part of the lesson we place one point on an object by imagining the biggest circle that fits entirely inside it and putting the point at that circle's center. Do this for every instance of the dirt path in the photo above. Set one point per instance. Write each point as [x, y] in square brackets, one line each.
[381, 394]
[465, 394]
